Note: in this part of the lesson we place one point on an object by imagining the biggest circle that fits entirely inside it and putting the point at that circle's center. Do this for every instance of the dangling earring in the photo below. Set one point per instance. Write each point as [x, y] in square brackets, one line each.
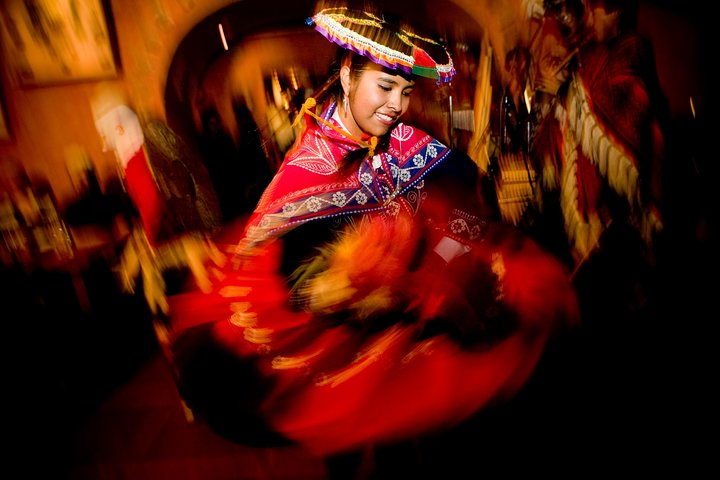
[346, 105]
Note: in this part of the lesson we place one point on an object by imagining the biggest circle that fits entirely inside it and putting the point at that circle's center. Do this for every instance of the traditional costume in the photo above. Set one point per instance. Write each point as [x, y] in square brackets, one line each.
[365, 306]
[602, 148]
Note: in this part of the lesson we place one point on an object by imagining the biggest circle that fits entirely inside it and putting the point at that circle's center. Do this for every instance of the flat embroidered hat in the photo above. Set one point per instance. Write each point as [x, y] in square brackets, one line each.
[385, 42]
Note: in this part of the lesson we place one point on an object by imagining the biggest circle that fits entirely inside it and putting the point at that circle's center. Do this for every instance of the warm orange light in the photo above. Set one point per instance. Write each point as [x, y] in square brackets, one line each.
[692, 107]
[222, 36]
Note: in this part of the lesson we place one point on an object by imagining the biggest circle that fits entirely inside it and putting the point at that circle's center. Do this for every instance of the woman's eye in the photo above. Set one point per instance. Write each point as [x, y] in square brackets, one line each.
[407, 93]
[385, 88]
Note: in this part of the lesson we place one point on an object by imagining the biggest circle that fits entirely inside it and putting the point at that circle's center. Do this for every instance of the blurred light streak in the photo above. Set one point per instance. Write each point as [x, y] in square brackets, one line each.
[692, 107]
[222, 36]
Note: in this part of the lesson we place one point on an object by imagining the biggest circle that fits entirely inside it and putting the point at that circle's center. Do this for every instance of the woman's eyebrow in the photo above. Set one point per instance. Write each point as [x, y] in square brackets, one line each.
[395, 82]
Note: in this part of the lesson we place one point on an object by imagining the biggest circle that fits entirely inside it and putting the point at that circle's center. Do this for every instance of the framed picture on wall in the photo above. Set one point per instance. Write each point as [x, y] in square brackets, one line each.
[62, 41]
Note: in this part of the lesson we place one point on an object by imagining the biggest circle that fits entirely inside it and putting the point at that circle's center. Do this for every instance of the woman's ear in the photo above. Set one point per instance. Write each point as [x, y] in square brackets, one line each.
[345, 79]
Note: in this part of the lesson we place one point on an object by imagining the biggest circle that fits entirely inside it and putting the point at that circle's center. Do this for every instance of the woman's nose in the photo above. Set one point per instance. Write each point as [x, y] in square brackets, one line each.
[395, 100]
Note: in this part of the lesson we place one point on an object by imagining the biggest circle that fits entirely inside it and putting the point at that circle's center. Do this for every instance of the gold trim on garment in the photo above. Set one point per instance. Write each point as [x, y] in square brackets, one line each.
[240, 306]
[423, 348]
[244, 319]
[235, 291]
[363, 360]
[290, 363]
[258, 335]
[498, 267]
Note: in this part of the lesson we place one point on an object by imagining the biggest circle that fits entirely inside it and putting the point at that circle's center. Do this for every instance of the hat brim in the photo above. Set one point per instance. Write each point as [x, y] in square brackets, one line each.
[391, 46]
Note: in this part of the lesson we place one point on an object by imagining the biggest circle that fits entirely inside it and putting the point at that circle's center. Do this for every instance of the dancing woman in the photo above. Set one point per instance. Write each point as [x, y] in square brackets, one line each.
[369, 298]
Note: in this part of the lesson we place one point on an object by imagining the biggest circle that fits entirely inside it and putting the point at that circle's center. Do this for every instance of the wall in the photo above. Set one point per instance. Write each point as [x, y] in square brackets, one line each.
[44, 121]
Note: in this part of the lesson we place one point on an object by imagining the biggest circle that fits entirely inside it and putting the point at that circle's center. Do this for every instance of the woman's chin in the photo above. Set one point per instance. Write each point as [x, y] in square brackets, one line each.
[379, 131]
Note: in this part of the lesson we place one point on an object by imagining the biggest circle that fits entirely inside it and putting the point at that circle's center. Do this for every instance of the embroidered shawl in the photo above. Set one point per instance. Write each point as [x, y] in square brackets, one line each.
[308, 185]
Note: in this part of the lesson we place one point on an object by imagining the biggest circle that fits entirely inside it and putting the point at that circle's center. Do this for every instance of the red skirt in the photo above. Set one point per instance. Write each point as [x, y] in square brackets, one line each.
[331, 385]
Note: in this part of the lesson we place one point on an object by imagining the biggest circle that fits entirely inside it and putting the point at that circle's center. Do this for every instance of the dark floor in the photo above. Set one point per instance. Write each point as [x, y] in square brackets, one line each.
[141, 432]
[90, 397]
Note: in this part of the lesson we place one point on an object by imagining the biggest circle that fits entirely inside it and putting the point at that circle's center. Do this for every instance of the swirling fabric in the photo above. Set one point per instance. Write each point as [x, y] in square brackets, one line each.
[367, 334]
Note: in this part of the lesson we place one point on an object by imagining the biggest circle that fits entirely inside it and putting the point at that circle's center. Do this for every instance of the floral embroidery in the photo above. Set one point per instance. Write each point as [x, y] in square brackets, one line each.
[366, 178]
[458, 226]
[463, 226]
[313, 204]
[393, 209]
[394, 169]
[339, 199]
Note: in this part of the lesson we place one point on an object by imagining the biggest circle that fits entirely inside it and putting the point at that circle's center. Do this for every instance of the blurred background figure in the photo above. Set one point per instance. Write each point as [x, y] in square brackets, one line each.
[224, 164]
[240, 171]
[603, 148]
[187, 206]
[257, 170]
[98, 217]
[170, 234]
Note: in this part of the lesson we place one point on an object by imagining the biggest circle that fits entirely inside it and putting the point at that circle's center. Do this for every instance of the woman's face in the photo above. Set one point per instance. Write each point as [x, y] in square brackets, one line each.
[377, 99]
